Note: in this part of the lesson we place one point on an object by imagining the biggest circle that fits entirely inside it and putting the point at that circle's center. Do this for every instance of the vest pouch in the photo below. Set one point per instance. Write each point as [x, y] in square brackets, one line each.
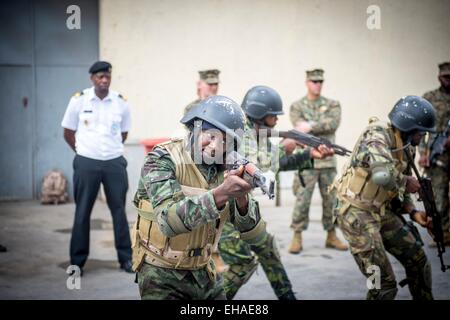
[197, 240]
[381, 198]
[370, 190]
[357, 180]
[144, 228]
[182, 241]
[134, 236]
[340, 184]
[137, 258]
[138, 253]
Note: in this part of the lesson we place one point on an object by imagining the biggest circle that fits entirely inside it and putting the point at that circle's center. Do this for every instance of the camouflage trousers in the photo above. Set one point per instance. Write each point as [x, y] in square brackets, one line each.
[156, 283]
[300, 215]
[370, 239]
[440, 182]
[243, 258]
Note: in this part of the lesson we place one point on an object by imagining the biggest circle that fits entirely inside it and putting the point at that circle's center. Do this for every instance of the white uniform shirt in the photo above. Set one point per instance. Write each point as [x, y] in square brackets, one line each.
[98, 124]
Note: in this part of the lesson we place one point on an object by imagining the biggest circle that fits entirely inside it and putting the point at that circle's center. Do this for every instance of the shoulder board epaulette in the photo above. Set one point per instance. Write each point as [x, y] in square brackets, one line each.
[122, 97]
[78, 94]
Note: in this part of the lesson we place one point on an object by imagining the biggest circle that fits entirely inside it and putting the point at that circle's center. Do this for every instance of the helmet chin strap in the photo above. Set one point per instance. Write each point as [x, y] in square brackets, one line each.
[402, 148]
[193, 146]
[408, 143]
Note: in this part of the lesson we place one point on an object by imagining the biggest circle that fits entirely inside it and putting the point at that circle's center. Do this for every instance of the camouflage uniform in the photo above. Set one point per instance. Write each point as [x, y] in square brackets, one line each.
[243, 256]
[439, 175]
[370, 216]
[191, 105]
[324, 115]
[159, 185]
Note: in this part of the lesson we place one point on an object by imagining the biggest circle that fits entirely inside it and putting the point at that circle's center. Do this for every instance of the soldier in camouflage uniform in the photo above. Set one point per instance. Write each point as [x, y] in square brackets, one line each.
[319, 116]
[183, 202]
[440, 172]
[374, 191]
[262, 105]
[207, 85]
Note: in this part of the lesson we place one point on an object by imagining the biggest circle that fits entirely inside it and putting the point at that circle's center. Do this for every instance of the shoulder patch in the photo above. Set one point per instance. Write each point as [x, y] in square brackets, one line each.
[122, 97]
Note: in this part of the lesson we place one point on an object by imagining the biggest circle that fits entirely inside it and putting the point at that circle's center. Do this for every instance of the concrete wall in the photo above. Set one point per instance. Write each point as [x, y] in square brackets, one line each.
[156, 48]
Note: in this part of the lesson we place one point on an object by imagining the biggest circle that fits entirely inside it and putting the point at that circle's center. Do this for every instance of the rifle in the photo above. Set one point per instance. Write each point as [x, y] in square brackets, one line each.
[252, 174]
[427, 196]
[310, 140]
[438, 146]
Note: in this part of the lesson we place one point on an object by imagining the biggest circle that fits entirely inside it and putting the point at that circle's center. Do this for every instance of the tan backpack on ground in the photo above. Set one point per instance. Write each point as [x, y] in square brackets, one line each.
[54, 187]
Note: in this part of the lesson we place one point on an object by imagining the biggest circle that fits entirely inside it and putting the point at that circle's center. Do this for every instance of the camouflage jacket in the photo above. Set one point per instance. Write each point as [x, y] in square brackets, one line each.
[324, 115]
[268, 156]
[158, 184]
[441, 103]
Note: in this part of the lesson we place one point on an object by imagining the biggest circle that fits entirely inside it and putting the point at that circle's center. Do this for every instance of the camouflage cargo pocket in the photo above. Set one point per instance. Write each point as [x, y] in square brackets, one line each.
[356, 229]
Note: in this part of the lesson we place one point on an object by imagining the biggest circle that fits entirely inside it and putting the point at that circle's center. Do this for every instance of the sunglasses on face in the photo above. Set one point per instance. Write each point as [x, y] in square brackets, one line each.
[317, 81]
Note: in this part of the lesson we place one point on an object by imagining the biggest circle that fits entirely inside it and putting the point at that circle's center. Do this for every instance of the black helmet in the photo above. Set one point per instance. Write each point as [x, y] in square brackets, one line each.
[261, 101]
[221, 112]
[413, 113]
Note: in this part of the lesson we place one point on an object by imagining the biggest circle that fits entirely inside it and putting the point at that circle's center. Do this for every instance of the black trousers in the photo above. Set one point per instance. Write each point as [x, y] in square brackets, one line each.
[87, 176]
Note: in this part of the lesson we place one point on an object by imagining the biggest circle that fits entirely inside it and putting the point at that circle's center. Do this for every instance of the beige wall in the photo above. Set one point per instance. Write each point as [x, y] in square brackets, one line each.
[156, 48]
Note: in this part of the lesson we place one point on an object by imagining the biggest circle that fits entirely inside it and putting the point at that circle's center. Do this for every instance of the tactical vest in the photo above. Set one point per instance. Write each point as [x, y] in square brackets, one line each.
[186, 251]
[355, 186]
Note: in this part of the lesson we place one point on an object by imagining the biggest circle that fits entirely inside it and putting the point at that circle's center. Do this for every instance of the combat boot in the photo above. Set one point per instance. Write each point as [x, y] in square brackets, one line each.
[296, 244]
[334, 242]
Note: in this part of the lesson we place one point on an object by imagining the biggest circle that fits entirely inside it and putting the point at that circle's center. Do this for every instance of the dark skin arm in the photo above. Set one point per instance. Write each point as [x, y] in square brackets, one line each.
[69, 136]
[124, 136]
